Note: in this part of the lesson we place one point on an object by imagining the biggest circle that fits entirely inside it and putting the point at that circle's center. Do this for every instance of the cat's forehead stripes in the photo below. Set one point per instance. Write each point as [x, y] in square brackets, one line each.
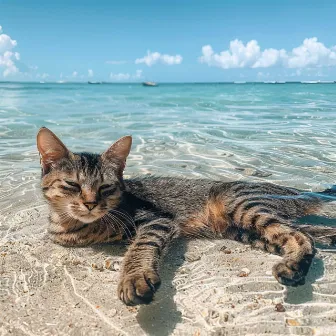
[89, 164]
[86, 169]
[90, 170]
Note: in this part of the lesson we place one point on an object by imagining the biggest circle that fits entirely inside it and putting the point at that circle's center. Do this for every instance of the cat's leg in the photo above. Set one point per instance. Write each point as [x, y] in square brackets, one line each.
[296, 248]
[252, 208]
[252, 238]
[139, 277]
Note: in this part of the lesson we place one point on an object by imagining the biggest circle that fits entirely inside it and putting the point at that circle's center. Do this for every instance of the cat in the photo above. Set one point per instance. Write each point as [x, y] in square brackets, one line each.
[90, 202]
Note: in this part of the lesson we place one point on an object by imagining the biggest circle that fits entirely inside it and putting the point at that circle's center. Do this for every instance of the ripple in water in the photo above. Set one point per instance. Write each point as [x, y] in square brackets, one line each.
[285, 134]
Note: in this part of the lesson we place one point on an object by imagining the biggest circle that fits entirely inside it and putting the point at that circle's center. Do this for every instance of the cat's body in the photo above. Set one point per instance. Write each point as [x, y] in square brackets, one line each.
[190, 203]
[151, 211]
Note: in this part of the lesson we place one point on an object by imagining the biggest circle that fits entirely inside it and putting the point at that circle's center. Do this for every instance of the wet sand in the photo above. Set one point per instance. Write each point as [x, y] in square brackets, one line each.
[47, 289]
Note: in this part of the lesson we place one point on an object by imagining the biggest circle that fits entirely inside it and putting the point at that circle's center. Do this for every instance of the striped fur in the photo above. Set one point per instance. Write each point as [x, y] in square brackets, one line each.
[90, 202]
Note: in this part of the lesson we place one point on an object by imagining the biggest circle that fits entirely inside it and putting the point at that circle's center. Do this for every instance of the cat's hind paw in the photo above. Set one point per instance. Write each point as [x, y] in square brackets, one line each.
[138, 287]
[288, 273]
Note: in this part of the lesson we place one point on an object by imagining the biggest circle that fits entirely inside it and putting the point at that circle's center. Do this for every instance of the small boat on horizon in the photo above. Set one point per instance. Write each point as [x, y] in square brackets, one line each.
[274, 82]
[318, 82]
[149, 84]
[310, 82]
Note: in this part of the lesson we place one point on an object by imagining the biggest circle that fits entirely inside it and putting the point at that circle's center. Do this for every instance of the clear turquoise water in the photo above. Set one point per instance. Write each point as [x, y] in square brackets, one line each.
[208, 130]
[279, 133]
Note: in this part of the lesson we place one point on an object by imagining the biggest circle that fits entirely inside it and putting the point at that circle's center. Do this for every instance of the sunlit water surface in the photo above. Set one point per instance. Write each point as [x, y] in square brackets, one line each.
[280, 133]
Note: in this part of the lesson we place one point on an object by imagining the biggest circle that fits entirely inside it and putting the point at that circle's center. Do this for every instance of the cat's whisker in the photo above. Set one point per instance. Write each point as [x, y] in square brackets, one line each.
[106, 221]
[108, 227]
[120, 224]
[110, 221]
[127, 217]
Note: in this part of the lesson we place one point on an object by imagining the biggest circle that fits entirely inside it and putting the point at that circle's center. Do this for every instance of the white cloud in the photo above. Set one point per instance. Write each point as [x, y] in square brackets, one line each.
[155, 57]
[126, 76]
[311, 53]
[90, 73]
[115, 62]
[7, 61]
[6, 43]
[269, 57]
[74, 74]
[7, 57]
[170, 60]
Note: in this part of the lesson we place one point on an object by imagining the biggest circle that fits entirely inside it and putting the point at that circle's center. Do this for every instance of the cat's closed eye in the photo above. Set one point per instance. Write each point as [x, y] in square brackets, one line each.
[71, 186]
[107, 190]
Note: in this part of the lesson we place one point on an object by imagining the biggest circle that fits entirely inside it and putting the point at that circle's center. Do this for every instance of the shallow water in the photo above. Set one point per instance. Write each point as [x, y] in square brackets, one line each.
[281, 133]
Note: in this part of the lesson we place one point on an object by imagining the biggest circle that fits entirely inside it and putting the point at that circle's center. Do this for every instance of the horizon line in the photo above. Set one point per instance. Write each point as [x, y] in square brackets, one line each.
[195, 82]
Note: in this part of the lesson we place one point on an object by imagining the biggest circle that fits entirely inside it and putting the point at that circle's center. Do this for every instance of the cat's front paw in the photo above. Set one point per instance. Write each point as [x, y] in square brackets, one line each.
[138, 287]
[289, 273]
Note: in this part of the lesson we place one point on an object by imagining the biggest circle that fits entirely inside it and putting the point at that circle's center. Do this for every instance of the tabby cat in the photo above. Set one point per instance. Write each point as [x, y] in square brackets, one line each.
[90, 202]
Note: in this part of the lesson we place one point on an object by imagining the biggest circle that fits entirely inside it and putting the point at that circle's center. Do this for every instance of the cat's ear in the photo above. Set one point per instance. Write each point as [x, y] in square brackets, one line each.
[119, 151]
[51, 149]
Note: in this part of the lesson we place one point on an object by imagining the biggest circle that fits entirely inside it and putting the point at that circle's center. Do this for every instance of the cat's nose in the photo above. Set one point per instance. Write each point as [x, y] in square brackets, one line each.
[90, 205]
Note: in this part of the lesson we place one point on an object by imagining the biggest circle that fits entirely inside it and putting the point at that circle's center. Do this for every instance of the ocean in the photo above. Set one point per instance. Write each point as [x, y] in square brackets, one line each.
[285, 133]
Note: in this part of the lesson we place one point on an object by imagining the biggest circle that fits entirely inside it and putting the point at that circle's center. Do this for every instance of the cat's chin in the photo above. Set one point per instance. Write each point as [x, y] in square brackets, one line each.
[88, 218]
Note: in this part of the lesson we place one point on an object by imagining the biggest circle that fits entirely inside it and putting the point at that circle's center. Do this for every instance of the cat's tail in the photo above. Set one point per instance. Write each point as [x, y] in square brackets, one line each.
[327, 203]
[324, 235]
[329, 192]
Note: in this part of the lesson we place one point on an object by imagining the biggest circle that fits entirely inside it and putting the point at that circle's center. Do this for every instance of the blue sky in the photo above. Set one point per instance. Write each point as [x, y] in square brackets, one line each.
[185, 40]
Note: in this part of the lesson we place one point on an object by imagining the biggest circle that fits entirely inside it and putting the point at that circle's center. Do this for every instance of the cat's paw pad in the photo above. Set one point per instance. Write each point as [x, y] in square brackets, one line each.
[289, 273]
[139, 287]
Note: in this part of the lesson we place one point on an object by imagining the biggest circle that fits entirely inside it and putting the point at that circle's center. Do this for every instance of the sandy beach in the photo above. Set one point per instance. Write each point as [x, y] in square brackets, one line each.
[47, 289]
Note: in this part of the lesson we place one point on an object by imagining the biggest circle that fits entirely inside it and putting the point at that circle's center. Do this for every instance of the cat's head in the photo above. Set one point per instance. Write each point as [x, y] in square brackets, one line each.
[81, 186]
